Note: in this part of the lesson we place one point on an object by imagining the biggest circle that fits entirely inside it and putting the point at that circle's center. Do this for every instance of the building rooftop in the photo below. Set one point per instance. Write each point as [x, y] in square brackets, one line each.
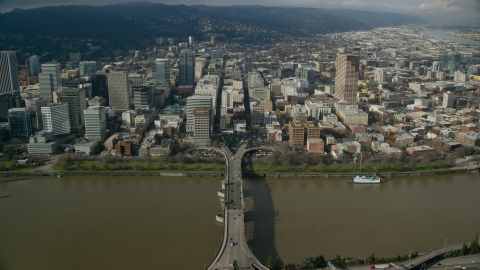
[421, 148]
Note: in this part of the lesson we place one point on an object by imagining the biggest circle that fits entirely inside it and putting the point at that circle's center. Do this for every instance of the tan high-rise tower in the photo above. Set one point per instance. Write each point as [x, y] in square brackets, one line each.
[346, 78]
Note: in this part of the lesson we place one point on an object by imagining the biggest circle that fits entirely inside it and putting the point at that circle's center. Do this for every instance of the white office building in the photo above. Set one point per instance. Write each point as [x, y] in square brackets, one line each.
[380, 75]
[229, 96]
[75, 98]
[317, 109]
[55, 119]
[202, 125]
[161, 71]
[50, 80]
[194, 102]
[95, 123]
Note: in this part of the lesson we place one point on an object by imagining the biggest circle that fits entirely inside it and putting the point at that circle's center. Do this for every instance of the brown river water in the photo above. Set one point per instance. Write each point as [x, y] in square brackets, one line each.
[169, 223]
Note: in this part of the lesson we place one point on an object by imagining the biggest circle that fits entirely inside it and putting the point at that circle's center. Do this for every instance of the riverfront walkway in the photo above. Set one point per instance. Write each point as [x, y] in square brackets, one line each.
[234, 252]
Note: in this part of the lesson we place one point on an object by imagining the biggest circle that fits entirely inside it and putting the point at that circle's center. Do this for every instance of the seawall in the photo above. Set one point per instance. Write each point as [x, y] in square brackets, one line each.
[246, 174]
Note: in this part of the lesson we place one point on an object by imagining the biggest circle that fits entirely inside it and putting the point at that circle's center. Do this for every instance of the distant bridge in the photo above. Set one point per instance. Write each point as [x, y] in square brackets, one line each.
[428, 256]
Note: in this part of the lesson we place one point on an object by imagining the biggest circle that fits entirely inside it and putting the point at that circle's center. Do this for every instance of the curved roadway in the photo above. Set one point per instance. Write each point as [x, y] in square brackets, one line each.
[428, 256]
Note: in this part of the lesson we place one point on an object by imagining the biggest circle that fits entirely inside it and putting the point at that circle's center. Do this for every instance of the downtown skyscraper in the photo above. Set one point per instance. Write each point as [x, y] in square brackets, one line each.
[187, 70]
[119, 90]
[8, 72]
[346, 77]
[50, 80]
[33, 65]
[161, 71]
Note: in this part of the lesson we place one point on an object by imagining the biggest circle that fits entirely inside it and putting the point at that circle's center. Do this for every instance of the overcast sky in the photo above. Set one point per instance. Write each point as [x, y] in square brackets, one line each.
[438, 10]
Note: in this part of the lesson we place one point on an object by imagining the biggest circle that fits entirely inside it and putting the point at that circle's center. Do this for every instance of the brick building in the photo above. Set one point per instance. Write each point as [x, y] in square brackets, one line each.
[470, 138]
[124, 149]
[444, 144]
[419, 151]
[297, 131]
[357, 128]
[315, 146]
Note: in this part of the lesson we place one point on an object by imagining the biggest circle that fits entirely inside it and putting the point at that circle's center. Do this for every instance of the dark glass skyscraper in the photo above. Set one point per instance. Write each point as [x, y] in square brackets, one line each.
[8, 101]
[247, 64]
[187, 70]
[20, 124]
[451, 61]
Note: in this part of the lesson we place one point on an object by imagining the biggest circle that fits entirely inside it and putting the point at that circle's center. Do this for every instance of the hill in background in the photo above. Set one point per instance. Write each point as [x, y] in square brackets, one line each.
[144, 20]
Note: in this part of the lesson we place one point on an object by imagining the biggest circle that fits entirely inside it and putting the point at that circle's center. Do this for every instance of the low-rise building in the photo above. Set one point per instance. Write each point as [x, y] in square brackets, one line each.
[124, 148]
[357, 128]
[274, 132]
[40, 143]
[86, 147]
[469, 138]
[419, 151]
[445, 144]
[353, 117]
[389, 151]
[300, 117]
[403, 139]
[329, 118]
[315, 146]
[162, 149]
[346, 147]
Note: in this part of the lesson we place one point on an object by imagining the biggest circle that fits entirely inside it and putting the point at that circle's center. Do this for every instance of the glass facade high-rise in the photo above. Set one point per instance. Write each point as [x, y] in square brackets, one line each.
[187, 70]
[20, 124]
[346, 77]
[9, 101]
[33, 65]
[119, 90]
[247, 64]
[451, 61]
[161, 71]
[50, 80]
[8, 72]
[35, 105]
[88, 68]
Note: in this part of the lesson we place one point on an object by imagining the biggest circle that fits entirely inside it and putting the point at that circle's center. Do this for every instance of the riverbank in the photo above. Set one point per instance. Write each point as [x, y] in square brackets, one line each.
[472, 169]
[475, 170]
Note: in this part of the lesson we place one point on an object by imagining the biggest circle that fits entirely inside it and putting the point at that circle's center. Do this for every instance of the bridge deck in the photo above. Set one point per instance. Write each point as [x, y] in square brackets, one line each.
[234, 252]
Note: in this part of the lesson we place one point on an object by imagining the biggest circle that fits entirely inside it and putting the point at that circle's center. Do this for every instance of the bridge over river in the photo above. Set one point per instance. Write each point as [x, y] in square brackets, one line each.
[234, 252]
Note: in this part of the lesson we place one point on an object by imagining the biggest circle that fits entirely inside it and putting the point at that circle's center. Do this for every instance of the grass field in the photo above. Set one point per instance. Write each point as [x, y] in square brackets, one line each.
[140, 166]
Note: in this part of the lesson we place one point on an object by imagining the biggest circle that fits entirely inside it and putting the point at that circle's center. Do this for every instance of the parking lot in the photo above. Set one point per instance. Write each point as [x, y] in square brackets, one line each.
[202, 153]
[261, 141]
[260, 153]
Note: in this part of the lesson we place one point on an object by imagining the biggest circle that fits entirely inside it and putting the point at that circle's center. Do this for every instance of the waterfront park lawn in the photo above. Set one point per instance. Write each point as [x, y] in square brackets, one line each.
[261, 166]
[141, 166]
[12, 167]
